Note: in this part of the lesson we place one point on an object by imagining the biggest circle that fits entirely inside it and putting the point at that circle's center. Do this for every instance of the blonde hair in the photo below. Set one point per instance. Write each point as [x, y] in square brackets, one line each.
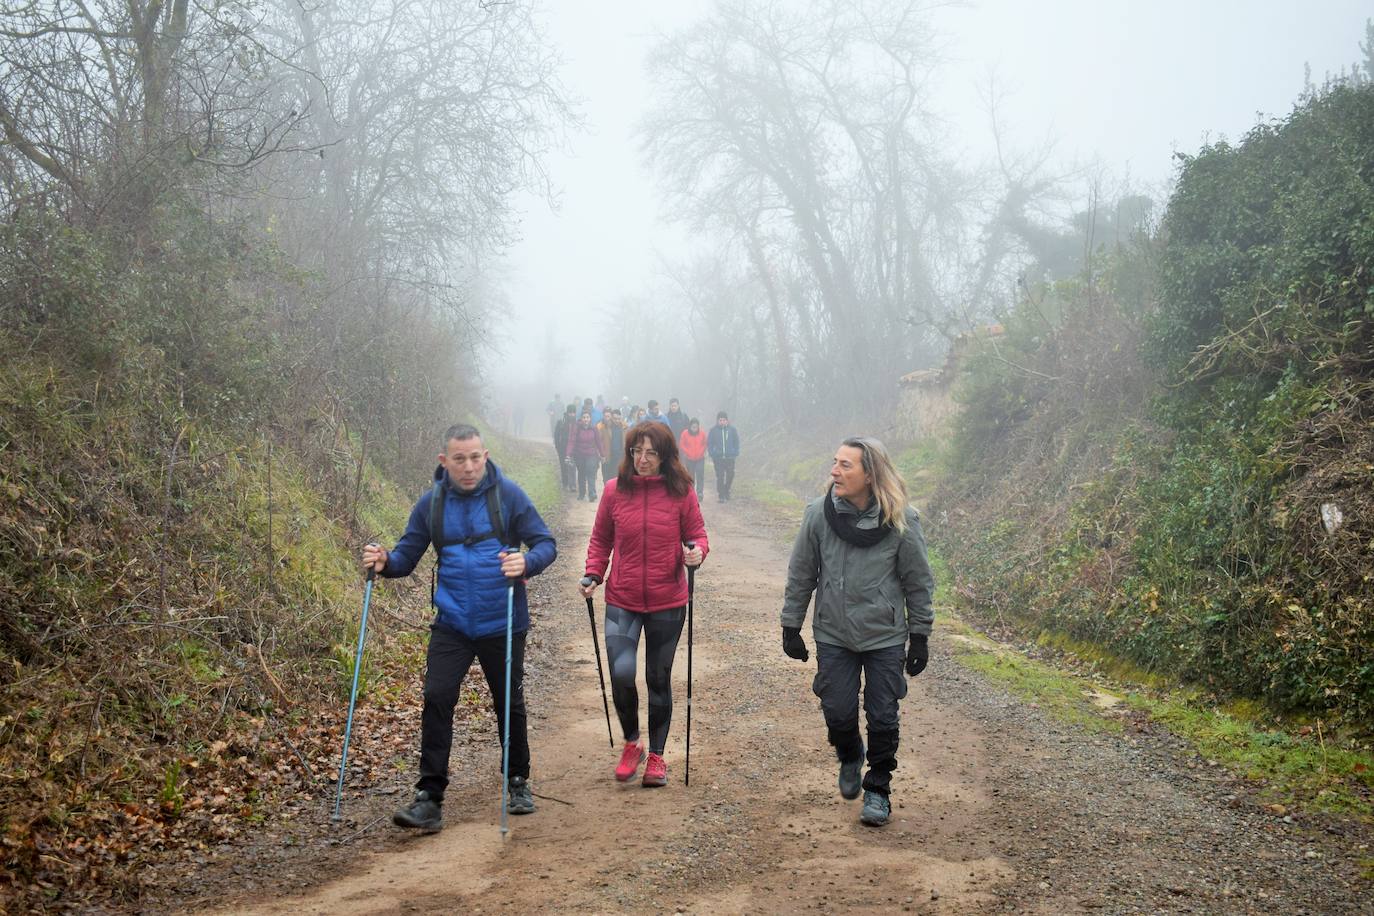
[889, 489]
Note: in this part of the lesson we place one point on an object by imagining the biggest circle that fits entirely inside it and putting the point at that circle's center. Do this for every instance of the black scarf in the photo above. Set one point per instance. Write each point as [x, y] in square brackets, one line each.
[846, 526]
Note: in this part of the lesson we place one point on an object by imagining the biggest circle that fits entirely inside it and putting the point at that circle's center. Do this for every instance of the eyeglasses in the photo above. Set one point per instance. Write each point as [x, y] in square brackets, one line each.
[643, 453]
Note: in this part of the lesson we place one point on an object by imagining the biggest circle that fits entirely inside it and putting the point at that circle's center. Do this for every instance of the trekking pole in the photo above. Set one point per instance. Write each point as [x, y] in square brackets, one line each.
[600, 675]
[353, 697]
[691, 588]
[505, 746]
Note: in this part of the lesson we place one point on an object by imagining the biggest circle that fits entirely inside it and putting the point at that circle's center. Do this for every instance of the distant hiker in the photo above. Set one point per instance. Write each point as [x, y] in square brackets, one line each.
[646, 516]
[562, 432]
[692, 442]
[861, 553]
[722, 443]
[476, 519]
[654, 415]
[586, 452]
[599, 409]
[613, 439]
[677, 420]
[552, 410]
[640, 415]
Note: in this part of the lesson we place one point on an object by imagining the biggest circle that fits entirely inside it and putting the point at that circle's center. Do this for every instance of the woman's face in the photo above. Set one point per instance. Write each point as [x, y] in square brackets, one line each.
[647, 461]
[694, 427]
[586, 420]
[847, 473]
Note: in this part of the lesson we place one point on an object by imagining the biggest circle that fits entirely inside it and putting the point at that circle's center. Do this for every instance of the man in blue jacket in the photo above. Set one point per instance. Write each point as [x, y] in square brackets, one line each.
[476, 527]
[722, 444]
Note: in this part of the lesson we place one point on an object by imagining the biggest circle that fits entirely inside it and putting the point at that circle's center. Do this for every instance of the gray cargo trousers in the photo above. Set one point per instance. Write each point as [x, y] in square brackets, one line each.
[838, 673]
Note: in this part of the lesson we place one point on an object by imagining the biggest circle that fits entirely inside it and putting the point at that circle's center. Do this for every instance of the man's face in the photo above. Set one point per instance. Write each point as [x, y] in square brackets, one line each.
[723, 421]
[466, 462]
[673, 406]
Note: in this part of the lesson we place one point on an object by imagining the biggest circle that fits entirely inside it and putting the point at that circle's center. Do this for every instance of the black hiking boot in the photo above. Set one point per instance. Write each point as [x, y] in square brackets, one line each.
[851, 773]
[877, 809]
[421, 814]
[521, 799]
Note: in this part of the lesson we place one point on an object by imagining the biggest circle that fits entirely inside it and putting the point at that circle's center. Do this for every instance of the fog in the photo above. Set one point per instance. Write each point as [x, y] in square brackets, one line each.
[1104, 93]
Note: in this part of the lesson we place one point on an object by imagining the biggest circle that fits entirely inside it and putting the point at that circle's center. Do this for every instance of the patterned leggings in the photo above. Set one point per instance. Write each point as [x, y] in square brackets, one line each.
[661, 631]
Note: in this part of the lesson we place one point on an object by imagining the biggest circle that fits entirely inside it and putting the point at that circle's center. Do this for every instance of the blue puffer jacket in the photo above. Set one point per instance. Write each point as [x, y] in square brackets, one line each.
[470, 595]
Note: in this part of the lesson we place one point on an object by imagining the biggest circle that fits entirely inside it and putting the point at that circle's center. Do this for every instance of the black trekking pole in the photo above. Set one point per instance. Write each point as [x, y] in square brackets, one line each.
[600, 675]
[353, 697]
[691, 588]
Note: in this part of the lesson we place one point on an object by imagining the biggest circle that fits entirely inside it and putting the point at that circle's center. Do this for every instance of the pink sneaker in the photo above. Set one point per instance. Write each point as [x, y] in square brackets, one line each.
[630, 759]
[655, 772]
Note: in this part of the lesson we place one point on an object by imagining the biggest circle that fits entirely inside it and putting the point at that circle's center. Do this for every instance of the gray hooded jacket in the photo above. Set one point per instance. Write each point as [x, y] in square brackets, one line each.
[866, 597]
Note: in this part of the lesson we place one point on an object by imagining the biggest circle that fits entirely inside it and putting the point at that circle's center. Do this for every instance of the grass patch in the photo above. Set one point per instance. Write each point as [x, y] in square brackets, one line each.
[1304, 769]
[1064, 696]
[779, 500]
[1307, 770]
[532, 467]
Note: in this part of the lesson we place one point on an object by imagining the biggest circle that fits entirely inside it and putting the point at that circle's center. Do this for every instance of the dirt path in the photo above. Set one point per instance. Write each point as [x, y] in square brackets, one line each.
[995, 807]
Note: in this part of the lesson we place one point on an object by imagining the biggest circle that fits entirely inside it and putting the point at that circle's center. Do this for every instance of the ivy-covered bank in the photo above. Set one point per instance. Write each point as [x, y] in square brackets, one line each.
[1172, 455]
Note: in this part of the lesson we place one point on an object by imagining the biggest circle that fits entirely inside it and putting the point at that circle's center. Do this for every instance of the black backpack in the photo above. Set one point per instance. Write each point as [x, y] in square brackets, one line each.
[436, 524]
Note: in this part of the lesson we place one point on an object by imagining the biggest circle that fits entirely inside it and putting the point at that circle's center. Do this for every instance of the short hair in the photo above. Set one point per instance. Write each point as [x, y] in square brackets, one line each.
[674, 401]
[722, 415]
[653, 403]
[459, 431]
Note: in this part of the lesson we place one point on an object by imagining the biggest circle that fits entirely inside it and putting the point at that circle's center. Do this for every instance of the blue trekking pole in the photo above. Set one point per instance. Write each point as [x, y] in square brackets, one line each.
[505, 745]
[353, 697]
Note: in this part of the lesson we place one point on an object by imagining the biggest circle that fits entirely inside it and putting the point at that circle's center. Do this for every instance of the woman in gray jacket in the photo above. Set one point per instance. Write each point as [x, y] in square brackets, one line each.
[861, 553]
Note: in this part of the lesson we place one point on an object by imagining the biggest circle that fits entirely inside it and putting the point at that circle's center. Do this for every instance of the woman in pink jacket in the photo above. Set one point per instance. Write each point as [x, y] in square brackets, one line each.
[648, 515]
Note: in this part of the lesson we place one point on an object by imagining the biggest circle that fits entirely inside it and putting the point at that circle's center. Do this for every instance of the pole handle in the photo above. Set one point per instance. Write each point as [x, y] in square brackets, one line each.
[371, 570]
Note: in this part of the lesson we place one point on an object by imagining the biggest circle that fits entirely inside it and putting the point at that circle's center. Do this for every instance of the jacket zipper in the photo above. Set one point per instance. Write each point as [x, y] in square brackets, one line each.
[644, 564]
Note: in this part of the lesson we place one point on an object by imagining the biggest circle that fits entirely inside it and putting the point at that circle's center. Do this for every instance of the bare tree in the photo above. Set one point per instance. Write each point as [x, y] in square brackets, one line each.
[818, 118]
[111, 104]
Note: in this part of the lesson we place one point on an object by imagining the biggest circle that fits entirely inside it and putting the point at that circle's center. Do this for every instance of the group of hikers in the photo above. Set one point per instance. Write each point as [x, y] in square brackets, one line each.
[860, 554]
[590, 437]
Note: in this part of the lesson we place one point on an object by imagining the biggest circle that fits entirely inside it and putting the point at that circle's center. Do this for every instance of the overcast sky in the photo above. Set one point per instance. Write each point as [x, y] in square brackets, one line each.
[1120, 83]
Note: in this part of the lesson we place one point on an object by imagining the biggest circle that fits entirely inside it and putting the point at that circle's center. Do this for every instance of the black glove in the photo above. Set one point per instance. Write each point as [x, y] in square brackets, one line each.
[917, 654]
[793, 645]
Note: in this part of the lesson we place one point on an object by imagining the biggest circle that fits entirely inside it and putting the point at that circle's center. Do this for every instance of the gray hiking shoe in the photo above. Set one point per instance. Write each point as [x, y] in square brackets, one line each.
[421, 814]
[877, 809]
[851, 772]
[521, 799]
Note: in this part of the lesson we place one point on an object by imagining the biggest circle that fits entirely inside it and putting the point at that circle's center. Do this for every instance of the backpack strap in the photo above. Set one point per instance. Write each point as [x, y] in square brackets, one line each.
[498, 528]
[436, 519]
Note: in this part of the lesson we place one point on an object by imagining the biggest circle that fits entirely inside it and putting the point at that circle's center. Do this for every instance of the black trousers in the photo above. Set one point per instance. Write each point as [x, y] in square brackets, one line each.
[838, 673]
[447, 662]
[586, 476]
[725, 476]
